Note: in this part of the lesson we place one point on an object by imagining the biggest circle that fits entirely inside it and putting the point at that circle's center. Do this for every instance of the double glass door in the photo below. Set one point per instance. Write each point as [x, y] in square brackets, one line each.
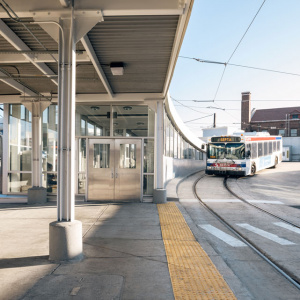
[114, 170]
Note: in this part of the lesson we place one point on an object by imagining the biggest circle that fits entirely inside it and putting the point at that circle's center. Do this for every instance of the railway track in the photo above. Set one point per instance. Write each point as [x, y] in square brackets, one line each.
[279, 268]
[257, 207]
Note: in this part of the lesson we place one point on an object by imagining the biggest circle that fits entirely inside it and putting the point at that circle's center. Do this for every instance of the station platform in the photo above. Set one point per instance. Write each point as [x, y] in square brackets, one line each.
[131, 251]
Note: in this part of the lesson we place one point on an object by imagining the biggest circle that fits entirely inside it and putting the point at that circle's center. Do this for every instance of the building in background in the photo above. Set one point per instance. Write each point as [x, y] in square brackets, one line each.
[284, 121]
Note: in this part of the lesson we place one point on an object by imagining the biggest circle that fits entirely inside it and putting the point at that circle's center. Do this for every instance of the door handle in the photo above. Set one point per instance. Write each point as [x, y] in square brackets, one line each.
[116, 174]
[112, 174]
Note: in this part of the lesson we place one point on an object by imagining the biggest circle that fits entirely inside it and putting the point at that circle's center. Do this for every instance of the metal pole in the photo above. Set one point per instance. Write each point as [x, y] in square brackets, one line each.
[36, 144]
[66, 133]
[159, 145]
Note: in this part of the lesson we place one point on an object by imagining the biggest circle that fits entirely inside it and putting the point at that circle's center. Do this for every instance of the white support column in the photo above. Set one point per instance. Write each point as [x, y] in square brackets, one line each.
[65, 235]
[159, 193]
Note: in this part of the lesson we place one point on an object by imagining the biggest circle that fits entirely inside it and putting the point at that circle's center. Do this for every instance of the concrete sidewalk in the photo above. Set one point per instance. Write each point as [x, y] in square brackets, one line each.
[123, 247]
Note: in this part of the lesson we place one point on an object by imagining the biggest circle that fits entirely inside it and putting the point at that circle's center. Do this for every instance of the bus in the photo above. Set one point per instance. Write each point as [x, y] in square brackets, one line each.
[243, 154]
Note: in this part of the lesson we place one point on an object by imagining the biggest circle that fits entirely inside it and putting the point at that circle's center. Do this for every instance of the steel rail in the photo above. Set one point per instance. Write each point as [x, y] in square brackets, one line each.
[257, 207]
[269, 260]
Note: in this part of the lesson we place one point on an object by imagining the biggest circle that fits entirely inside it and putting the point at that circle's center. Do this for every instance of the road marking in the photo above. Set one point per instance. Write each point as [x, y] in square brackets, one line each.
[287, 226]
[221, 200]
[267, 235]
[265, 201]
[228, 239]
[189, 200]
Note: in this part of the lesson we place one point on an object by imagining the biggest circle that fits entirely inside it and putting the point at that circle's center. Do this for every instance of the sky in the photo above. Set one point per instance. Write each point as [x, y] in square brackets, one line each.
[214, 31]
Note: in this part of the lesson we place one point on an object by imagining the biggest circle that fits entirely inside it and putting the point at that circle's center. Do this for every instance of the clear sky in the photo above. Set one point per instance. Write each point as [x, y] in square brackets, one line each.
[215, 28]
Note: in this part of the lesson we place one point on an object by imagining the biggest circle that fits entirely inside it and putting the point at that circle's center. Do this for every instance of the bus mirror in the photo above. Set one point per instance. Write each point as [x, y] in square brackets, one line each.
[248, 153]
[203, 146]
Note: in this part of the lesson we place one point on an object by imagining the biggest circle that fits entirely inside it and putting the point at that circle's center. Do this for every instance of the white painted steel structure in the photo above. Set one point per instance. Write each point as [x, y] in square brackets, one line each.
[59, 52]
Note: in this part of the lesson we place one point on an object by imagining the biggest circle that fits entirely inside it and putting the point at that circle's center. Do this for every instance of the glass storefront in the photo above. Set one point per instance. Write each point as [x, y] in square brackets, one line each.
[20, 149]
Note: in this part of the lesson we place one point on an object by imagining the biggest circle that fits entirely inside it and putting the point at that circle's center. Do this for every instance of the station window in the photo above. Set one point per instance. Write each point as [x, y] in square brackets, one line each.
[293, 132]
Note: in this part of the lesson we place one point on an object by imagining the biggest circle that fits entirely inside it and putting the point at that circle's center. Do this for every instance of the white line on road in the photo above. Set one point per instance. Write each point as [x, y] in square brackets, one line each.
[221, 200]
[287, 226]
[267, 235]
[228, 239]
[189, 200]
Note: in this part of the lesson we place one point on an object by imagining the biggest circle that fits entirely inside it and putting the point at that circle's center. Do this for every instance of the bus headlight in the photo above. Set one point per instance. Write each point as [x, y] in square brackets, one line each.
[208, 168]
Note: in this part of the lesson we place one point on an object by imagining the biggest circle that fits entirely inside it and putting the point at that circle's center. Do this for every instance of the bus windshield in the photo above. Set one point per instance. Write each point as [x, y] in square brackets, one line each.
[226, 150]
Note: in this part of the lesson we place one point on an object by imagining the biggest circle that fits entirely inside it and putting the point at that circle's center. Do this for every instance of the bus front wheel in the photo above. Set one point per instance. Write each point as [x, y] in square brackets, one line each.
[253, 169]
[276, 162]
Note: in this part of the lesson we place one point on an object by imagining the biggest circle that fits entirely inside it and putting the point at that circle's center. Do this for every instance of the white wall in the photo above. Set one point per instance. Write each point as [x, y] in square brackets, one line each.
[181, 167]
[294, 142]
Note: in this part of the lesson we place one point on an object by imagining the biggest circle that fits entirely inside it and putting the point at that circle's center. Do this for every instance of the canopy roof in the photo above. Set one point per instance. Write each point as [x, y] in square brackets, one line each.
[145, 35]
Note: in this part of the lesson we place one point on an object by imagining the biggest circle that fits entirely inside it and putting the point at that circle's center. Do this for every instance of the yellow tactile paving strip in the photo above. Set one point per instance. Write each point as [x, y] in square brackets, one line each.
[193, 274]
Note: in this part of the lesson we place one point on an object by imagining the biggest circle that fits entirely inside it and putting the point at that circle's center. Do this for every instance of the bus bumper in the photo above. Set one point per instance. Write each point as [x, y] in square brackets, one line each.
[225, 172]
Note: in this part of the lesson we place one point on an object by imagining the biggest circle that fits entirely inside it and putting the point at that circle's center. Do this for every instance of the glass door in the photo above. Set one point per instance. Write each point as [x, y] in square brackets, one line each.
[128, 169]
[101, 183]
[114, 169]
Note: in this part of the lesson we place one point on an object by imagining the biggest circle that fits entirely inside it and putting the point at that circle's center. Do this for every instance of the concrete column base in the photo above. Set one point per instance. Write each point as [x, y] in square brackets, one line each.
[65, 241]
[37, 195]
[159, 196]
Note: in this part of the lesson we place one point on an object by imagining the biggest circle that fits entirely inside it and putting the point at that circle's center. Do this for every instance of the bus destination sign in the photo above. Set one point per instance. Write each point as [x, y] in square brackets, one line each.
[226, 139]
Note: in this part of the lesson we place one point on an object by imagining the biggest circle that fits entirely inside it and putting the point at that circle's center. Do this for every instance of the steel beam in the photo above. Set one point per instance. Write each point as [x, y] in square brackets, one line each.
[16, 58]
[91, 53]
[14, 40]
[16, 85]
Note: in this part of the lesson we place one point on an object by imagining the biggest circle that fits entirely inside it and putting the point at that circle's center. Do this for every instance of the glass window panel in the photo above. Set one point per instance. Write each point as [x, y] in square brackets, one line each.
[148, 184]
[82, 155]
[171, 140]
[93, 120]
[101, 156]
[151, 122]
[91, 129]
[175, 144]
[81, 183]
[18, 182]
[49, 136]
[127, 156]
[132, 120]
[293, 132]
[83, 127]
[167, 137]
[148, 156]
[51, 182]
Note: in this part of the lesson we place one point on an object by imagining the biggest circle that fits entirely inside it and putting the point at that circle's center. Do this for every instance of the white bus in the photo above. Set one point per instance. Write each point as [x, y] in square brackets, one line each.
[243, 154]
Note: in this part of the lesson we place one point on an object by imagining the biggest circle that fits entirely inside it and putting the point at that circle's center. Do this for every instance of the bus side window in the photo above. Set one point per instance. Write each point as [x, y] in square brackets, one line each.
[266, 148]
[260, 149]
[270, 148]
[254, 150]
[278, 145]
[248, 151]
[274, 146]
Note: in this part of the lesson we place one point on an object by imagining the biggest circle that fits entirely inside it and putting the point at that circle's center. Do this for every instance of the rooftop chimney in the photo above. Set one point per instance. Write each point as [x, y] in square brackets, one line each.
[246, 111]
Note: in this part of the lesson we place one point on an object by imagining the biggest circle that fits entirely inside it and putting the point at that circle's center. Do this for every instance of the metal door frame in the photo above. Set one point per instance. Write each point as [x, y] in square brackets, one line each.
[140, 139]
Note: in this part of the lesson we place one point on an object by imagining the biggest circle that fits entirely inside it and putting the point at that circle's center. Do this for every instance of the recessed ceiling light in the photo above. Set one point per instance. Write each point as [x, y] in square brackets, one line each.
[127, 107]
[95, 107]
[140, 123]
[116, 124]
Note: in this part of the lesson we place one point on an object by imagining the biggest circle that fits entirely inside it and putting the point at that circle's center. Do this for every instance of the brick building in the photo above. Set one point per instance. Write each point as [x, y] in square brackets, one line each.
[283, 121]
